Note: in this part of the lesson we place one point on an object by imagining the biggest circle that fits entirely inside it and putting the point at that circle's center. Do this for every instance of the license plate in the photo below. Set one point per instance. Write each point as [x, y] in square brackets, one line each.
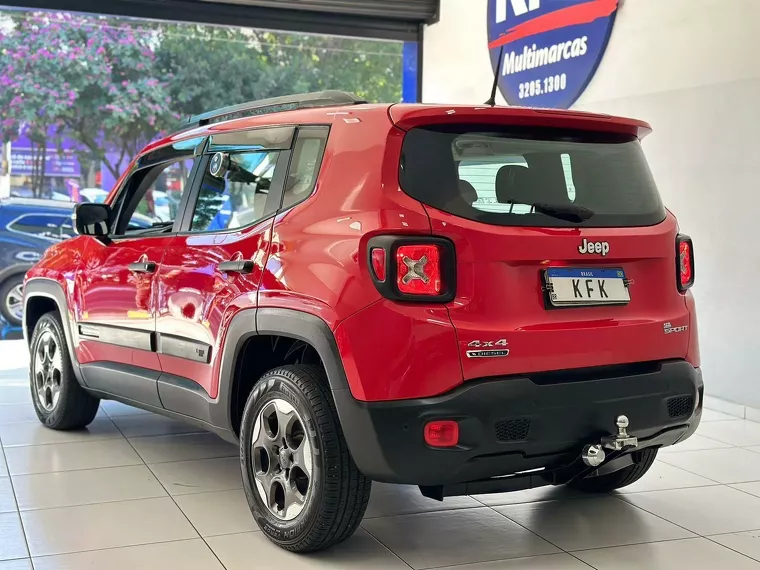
[569, 286]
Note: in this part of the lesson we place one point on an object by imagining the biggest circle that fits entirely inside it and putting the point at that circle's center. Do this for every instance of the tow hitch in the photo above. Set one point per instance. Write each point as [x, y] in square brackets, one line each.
[593, 455]
[609, 455]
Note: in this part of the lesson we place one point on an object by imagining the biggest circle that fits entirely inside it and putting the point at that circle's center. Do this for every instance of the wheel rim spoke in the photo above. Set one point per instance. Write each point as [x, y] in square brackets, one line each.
[282, 459]
[285, 419]
[294, 501]
[47, 371]
[302, 457]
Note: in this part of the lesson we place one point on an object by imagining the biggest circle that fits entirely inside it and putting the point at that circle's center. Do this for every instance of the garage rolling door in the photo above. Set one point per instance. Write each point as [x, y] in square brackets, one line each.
[387, 19]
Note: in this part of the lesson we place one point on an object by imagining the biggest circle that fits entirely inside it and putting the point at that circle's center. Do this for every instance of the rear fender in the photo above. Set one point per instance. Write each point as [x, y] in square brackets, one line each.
[288, 323]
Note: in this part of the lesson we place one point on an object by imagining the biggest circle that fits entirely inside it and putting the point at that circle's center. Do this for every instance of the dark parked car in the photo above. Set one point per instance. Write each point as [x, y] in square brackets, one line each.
[27, 228]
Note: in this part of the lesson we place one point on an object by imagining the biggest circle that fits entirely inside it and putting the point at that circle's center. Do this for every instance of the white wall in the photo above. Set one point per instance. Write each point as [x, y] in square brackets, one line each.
[692, 69]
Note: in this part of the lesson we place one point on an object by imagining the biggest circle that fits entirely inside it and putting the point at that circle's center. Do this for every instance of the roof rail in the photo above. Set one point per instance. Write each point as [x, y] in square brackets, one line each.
[274, 105]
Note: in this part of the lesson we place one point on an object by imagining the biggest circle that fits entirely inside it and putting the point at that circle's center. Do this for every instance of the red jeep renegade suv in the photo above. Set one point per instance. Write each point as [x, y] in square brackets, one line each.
[469, 299]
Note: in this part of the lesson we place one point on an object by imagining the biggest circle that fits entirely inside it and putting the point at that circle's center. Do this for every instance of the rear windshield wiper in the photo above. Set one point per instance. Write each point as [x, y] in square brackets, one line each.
[567, 212]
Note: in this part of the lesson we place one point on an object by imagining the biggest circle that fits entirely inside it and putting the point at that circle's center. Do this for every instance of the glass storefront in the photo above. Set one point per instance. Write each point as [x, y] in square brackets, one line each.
[81, 94]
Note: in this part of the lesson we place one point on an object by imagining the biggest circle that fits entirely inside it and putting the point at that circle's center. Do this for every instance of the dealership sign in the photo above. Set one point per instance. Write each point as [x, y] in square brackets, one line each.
[551, 48]
[62, 164]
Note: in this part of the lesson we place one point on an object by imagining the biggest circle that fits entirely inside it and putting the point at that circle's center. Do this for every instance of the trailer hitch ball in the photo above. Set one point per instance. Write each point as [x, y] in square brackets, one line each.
[593, 455]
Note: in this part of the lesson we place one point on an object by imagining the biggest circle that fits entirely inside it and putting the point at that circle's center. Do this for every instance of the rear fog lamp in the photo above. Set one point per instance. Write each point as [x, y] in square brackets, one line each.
[442, 433]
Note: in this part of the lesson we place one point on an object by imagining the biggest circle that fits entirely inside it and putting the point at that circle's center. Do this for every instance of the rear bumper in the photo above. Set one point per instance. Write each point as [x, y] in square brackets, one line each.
[514, 424]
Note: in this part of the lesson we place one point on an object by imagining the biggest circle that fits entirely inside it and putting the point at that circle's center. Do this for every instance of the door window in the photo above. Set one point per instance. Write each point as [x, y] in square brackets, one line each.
[236, 197]
[151, 198]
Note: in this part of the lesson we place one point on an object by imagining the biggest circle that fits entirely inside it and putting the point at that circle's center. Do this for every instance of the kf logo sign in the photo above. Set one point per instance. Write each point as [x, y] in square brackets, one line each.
[519, 7]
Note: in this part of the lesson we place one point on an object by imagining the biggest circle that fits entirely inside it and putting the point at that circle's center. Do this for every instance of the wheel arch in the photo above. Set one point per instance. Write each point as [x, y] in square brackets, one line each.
[12, 270]
[41, 296]
[263, 323]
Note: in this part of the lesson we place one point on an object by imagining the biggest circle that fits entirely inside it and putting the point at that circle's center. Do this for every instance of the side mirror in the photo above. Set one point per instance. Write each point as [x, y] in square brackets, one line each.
[92, 219]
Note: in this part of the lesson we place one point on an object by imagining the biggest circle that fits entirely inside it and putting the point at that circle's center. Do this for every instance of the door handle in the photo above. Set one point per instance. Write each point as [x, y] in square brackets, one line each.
[242, 266]
[142, 267]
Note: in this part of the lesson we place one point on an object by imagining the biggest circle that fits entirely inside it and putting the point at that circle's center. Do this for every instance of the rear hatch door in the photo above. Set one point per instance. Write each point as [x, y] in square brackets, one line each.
[565, 254]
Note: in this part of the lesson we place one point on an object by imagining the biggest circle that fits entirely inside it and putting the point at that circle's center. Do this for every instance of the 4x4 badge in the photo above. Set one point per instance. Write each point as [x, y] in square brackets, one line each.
[489, 352]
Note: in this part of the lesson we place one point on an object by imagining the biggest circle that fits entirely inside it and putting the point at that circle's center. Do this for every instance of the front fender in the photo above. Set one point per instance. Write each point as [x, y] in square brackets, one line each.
[43, 288]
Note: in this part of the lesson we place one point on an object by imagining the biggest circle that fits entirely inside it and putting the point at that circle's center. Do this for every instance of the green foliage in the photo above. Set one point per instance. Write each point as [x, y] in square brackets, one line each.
[114, 83]
[213, 66]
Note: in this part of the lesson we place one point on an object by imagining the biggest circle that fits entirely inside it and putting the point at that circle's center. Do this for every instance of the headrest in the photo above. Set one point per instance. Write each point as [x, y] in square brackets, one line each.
[468, 192]
[513, 185]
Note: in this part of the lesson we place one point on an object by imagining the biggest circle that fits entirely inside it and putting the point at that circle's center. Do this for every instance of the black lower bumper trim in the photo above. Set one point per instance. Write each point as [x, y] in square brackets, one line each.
[387, 444]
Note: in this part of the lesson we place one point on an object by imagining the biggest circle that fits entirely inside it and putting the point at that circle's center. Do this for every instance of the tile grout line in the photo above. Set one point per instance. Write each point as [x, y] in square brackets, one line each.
[731, 549]
[698, 535]
[630, 493]
[539, 536]
[173, 500]
[67, 553]
[142, 461]
[18, 511]
[658, 516]
[381, 543]
[692, 473]
[107, 548]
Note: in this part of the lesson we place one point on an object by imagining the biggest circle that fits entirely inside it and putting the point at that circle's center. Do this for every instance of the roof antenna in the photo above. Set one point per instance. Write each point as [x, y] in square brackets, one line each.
[492, 101]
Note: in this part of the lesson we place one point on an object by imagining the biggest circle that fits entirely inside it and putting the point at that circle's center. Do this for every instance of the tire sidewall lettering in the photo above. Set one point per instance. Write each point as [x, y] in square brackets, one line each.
[276, 528]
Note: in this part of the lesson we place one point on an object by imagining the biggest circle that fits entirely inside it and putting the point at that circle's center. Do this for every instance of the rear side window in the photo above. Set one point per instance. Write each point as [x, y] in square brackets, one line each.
[530, 178]
[304, 165]
[237, 198]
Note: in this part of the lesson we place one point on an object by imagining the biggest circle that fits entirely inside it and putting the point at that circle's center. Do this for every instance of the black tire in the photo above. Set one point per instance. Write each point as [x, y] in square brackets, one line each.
[643, 460]
[75, 407]
[338, 492]
[6, 290]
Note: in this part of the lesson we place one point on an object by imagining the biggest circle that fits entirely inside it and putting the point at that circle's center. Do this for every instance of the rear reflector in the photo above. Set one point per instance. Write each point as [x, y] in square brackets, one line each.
[378, 262]
[684, 262]
[418, 269]
[442, 433]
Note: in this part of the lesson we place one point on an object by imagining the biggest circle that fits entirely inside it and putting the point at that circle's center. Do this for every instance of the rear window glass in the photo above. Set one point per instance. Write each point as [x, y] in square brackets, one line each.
[536, 178]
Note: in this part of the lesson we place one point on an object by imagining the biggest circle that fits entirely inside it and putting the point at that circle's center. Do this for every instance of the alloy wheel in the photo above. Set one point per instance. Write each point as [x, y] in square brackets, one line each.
[282, 459]
[14, 302]
[47, 371]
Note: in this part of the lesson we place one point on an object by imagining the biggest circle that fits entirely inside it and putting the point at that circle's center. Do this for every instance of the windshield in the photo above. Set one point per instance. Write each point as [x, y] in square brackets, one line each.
[530, 178]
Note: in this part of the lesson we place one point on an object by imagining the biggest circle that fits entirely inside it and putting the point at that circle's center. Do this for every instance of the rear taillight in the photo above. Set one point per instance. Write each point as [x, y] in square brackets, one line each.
[419, 269]
[684, 262]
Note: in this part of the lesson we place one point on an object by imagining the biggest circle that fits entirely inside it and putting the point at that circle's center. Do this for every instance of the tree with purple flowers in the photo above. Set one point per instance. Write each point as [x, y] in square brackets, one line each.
[89, 77]
[33, 96]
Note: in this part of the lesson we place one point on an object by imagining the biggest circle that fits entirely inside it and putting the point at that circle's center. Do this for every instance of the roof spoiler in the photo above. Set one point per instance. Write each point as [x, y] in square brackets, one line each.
[406, 116]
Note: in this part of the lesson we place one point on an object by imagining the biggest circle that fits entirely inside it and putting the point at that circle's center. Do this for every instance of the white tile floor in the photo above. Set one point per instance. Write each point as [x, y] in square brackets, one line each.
[139, 491]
